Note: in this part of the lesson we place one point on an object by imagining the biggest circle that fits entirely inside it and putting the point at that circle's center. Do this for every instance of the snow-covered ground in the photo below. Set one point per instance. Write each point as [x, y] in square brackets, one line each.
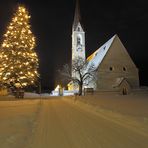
[102, 121]
[64, 93]
[134, 104]
[27, 95]
[129, 110]
[17, 119]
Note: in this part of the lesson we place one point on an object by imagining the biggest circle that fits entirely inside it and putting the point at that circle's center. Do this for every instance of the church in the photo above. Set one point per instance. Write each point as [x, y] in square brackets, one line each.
[116, 71]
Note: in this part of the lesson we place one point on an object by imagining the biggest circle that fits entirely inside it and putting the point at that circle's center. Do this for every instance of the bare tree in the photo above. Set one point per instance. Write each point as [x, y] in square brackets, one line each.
[80, 73]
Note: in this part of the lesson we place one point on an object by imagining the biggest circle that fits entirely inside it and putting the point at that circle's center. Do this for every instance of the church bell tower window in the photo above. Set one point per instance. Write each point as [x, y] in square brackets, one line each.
[78, 28]
[111, 68]
[78, 40]
[124, 69]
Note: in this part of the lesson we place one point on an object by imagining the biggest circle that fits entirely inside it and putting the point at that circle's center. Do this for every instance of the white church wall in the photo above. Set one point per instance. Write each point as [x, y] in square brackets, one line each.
[117, 63]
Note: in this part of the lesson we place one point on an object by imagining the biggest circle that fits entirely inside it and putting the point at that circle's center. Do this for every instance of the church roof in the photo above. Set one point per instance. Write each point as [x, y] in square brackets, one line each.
[97, 57]
[118, 81]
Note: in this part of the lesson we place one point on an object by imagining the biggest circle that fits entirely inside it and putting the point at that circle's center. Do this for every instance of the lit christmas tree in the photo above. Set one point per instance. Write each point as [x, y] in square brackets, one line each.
[19, 61]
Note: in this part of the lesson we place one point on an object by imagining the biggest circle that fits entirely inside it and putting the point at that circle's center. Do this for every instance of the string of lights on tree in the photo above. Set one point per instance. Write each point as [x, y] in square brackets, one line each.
[19, 61]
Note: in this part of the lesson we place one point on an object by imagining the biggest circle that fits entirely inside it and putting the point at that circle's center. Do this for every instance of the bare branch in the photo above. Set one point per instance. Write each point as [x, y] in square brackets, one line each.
[80, 73]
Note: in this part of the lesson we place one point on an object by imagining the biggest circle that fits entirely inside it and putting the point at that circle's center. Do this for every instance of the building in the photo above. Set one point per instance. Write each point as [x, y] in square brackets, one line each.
[115, 69]
[78, 38]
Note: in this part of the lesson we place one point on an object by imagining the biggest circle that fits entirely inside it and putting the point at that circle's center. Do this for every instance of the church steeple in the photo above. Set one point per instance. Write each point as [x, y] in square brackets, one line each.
[77, 16]
[78, 36]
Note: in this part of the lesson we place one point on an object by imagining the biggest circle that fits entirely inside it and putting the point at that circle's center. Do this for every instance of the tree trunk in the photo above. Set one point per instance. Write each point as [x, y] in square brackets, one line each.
[80, 89]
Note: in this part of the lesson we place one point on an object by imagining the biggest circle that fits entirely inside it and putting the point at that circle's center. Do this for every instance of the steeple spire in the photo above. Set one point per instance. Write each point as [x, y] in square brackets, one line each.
[77, 16]
[78, 38]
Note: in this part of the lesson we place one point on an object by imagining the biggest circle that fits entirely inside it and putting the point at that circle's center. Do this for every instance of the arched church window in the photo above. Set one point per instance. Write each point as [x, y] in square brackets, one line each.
[111, 68]
[78, 40]
[124, 69]
[78, 28]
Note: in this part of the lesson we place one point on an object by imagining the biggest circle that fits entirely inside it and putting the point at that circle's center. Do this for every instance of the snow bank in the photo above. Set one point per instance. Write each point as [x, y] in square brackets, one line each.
[65, 93]
[135, 105]
[130, 111]
[27, 95]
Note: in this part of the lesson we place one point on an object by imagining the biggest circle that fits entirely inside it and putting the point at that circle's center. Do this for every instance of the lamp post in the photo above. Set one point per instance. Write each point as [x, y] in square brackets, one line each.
[39, 87]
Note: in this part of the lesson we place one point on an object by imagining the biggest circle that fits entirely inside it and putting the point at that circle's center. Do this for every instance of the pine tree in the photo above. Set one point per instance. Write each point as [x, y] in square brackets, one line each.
[19, 61]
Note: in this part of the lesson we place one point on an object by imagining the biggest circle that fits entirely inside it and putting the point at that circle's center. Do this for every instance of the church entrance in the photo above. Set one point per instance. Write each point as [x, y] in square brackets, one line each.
[124, 87]
[124, 91]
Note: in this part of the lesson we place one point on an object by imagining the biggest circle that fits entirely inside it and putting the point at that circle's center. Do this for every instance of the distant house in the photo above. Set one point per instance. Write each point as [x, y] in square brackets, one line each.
[115, 69]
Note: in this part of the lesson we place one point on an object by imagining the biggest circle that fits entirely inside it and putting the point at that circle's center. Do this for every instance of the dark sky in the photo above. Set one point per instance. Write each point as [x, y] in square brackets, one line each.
[52, 20]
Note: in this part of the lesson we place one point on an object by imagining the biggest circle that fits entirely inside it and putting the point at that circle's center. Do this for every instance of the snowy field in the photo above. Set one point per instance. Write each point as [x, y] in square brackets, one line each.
[129, 110]
[102, 121]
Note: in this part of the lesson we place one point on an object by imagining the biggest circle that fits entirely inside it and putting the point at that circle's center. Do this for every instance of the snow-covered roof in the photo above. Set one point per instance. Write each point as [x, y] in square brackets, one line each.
[96, 58]
[118, 81]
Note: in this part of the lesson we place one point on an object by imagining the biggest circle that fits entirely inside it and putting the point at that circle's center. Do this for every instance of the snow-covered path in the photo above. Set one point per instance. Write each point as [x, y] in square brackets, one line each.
[62, 125]
[17, 119]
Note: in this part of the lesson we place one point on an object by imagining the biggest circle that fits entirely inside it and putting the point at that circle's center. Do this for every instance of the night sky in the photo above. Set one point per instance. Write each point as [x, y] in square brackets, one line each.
[52, 20]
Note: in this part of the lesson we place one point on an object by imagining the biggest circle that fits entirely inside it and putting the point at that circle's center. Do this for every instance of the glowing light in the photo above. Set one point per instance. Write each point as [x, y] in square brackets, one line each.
[23, 9]
[4, 44]
[5, 35]
[29, 32]
[26, 63]
[57, 88]
[17, 85]
[23, 77]
[17, 56]
[15, 19]
[8, 73]
[24, 84]
[10, 27]
[4, 78]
